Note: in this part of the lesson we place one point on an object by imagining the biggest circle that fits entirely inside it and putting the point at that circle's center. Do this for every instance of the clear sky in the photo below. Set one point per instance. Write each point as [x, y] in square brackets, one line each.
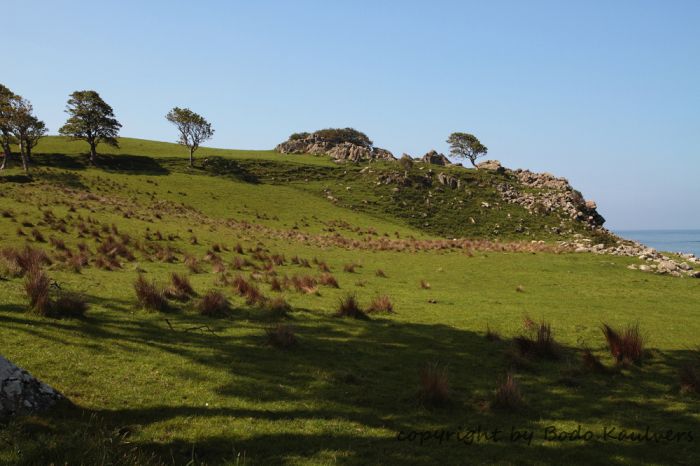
[605, 93]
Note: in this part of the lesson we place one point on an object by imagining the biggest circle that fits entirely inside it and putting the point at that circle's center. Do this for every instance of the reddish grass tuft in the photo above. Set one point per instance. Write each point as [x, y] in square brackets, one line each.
[592, 363]
[329, 280]
[214, 304]
[380, 304]
[380, 273]
[68, 305]
[281, 336]
[277, 307]
[36, 285]
[349, 307]
[349, 268]
[492, 335]
[180, 287]
[539, 343]
[627, 346]
[149, 295]
[424, 285]
[507, 396]
[192, 264]
[434, 387]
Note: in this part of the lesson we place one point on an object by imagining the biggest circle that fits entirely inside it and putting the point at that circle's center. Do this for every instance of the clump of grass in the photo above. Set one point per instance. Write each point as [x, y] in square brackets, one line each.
[380, 273]
[379, 304]
[434, 389]
[253, 296]
[214, 304]
[281, 336]
[68, 305]
[349, 307]
[180, 287]
[507, 396]
[689, 379]
[57, 243]
[275, 284]
[36, 286]
[492, 335]
[520, 289]
[278, 308]
[349, 268]
[323, 267]
[38, 236]
[329, 280]
[626, 346]
[540, 343]
[592, 363]
[192, 264]
[424, 285]
[149, 295]
[241, 285]
[305, 284]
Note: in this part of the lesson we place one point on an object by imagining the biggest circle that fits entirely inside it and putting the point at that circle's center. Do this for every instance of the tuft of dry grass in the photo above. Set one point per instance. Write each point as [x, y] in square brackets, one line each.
[626, 346]
[507, 396]
[278, 307]
[214, 304]
[192, 264]
[492, 335]
[69, 305]
[349, 268]
[434, 388]
[592, 363]
[379, 304]
[689, 379]
[329, 280]
[424, 285]
[149, 295]
[38, 236]
[540, 343]
[380, 273]
[180, 288]
[281, 336]
[36, 286]
[349, 307]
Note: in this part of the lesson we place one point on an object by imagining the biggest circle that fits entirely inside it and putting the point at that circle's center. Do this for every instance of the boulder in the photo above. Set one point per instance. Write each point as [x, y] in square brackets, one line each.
[434, 158]
[492, 165]
[448, 180]
[339, 151]
[21, 393]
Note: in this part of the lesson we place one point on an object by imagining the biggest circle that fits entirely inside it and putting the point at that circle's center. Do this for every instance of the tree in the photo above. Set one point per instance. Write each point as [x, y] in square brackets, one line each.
[91, 119]
[466, 146]
[6, 137]
[193, 128]
[26, 128]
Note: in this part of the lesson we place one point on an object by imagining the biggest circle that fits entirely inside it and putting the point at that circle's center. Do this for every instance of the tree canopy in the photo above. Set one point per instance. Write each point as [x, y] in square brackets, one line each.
[466, 146]
[194, 129]
[91, 119]
[6, 136]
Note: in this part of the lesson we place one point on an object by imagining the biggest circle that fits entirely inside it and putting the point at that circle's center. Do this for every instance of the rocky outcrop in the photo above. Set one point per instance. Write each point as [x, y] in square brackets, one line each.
[491, 165]
[433, 158]
[21, 393]
[338, 151]
[449, 181]
[546, 194]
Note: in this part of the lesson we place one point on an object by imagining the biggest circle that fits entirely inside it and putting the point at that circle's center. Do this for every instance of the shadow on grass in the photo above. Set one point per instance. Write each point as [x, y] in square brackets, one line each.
[362, 377]
[125, 164]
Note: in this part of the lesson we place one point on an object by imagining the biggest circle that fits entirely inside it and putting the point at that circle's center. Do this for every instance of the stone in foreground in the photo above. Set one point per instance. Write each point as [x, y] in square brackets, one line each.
[21, 393]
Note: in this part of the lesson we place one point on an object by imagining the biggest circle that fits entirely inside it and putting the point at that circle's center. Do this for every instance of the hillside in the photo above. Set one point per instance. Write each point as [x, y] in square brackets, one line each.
[284, 238]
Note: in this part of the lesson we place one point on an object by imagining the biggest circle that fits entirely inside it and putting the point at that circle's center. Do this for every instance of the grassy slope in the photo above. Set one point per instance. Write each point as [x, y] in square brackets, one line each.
[350, 386]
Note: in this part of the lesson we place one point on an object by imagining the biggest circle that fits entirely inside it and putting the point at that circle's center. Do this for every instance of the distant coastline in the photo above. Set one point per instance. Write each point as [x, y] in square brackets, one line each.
[685, 241]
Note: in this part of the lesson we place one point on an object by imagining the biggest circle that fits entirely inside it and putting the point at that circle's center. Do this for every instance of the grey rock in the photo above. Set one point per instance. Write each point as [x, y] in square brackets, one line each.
[21, 393]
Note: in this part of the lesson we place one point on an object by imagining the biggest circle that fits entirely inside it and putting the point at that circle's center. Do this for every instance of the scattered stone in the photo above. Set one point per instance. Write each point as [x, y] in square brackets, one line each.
[492, 165]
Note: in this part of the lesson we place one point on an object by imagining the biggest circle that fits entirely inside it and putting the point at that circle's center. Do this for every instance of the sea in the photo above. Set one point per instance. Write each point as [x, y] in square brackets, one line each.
[686, 241]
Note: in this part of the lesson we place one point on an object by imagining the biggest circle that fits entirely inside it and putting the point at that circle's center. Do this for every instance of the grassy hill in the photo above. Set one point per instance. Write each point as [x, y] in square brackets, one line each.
[178, 387]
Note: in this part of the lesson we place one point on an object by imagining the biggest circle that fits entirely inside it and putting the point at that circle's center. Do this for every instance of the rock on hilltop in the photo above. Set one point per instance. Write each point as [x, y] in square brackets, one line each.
[342, 145]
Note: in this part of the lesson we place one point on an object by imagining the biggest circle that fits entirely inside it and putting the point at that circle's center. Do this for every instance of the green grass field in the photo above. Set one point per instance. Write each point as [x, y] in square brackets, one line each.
[179, 388]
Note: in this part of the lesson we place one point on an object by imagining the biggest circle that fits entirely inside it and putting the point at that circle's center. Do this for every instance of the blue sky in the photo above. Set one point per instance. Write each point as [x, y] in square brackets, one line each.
[604, 93]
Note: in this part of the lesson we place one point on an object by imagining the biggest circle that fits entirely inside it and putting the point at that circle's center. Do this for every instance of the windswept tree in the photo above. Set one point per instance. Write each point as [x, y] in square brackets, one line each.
[466, 146]
[91, 119]
[193, 128]
[6, 136]
[26, 128]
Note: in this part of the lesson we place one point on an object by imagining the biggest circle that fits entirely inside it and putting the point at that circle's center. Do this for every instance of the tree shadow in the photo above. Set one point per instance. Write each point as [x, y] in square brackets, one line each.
[126, 164]
[365, 374]
[229, 168]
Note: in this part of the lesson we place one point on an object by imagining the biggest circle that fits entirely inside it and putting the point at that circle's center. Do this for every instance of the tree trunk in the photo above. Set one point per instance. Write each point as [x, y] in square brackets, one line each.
[7, 153]
[93, 152]
[191, 158]
[23, 155]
